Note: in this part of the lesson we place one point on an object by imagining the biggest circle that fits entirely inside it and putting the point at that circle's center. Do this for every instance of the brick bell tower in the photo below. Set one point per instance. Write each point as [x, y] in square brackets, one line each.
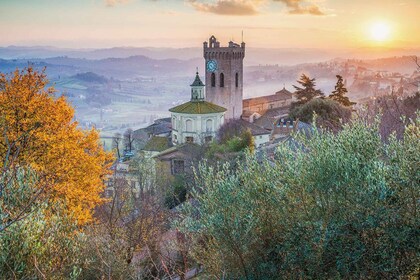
[224, 76]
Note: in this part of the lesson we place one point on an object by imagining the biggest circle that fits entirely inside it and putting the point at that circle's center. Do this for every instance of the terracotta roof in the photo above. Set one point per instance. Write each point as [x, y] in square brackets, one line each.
[190, 149]
[255, 129]
[270, 116]
[198, 107]
[283, 94]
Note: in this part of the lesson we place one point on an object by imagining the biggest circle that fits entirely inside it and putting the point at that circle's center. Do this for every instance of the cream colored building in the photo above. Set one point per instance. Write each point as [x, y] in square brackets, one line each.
[196, 121]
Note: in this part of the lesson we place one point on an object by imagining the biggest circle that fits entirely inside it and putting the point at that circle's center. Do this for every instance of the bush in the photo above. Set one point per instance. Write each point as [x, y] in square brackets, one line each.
[330, 114]
[344, 206]
[177, 193]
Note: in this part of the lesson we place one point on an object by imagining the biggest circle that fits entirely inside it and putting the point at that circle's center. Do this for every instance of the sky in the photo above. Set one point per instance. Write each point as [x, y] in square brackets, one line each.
[326, 24]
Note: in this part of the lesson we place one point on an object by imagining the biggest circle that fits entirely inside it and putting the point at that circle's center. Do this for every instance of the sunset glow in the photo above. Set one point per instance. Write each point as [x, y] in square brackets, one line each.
[380, 31]
[183, 23]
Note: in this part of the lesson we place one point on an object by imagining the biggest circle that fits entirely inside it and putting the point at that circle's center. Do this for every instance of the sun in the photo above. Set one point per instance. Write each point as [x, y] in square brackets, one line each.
[380, 31]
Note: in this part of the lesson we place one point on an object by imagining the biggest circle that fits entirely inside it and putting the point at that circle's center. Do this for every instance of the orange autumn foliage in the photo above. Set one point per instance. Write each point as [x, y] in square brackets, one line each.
[45, 137]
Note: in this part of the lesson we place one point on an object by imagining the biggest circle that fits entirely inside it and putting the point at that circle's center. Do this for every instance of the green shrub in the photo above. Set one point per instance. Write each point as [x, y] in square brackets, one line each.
[342, 206]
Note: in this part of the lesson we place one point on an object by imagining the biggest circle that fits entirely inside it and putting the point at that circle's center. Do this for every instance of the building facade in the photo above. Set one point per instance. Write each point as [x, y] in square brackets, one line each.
[196, 121]
[224, 76]
[261, 104]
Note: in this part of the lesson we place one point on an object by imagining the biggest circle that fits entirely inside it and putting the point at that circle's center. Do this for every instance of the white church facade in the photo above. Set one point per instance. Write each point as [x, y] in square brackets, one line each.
[196, 121]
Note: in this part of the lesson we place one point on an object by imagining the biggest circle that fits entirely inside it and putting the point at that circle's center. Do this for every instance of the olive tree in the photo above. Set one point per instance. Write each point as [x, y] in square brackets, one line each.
[335, 205]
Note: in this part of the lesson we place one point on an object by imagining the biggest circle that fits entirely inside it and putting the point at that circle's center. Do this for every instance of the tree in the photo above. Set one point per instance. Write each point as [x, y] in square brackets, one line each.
[116, 140]
[46, 139]
[329, 113]
[339, 92]
[333, 206]
[21, 192]
[128, 139]
[394, 113]
[307, 92]
[48, 245]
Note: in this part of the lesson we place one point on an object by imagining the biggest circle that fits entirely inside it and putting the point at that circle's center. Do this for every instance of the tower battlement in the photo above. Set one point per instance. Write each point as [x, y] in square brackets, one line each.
[224, 75]
[213, 50]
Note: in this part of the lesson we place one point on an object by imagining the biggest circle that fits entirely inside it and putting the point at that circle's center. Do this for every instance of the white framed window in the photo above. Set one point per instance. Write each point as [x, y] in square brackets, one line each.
[209, 125]
[189, 125]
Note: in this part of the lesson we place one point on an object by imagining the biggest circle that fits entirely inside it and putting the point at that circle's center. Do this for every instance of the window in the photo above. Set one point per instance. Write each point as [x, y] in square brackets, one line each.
[213, 80]
[236, 80]
[188, 125]
[174, 123]
[178, 166]
[222, 80]
[209, 125]
[208, 139]
[189, 139]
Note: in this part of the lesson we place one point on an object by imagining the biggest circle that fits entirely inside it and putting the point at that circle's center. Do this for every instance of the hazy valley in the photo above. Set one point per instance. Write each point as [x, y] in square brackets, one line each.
[113, 89]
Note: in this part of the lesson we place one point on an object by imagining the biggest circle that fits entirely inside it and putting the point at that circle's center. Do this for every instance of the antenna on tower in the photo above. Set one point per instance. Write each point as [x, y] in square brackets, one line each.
[242, 36]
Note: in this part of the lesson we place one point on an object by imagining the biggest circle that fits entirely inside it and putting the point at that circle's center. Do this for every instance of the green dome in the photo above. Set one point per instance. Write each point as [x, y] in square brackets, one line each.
[197, 107]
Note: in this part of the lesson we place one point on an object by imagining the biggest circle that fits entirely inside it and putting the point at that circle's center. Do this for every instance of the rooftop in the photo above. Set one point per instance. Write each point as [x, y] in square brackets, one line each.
[190, 149]
[255, 129]
[157, 144]
[197, 81]
[198, 107]
[160, 126]
[270, 116]
[283, 94]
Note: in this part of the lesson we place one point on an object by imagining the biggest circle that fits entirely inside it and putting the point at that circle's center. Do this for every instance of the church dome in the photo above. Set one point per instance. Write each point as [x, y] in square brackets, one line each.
[201, 107]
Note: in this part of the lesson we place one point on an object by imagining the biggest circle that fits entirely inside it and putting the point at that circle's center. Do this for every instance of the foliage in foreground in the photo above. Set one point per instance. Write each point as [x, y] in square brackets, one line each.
[334, 206]
[37, 131]
[44, 246]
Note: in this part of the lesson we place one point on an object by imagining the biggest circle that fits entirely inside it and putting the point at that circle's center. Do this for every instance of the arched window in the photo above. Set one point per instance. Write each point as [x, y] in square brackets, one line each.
[174, 123]
[236, 80]
[188, 125]
[222, 80]
[213, 79]
[209, 125]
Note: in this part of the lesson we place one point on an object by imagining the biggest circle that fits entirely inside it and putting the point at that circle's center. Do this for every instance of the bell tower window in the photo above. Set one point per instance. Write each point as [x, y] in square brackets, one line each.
[222, 80]
[236, 80]
[213, 80]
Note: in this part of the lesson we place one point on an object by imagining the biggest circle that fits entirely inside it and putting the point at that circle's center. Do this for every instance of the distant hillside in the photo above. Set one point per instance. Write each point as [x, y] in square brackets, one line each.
[120, 68]
[254, 56]
[90, 77]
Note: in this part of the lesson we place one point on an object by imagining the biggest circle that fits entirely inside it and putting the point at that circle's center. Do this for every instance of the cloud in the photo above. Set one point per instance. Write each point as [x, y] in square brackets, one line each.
[112, 3]
[228, 7]
[251, 7]
[296, 8]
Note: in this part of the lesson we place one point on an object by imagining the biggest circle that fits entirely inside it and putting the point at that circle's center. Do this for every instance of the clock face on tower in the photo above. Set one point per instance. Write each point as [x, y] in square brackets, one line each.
[211, 65]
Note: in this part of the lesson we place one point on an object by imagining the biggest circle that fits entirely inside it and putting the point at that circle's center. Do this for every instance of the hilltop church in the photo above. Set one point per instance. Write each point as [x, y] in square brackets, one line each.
[220, 99]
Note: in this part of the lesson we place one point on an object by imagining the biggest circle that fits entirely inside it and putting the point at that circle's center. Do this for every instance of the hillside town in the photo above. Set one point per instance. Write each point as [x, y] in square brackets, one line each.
[209, 139]
[173, 142]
